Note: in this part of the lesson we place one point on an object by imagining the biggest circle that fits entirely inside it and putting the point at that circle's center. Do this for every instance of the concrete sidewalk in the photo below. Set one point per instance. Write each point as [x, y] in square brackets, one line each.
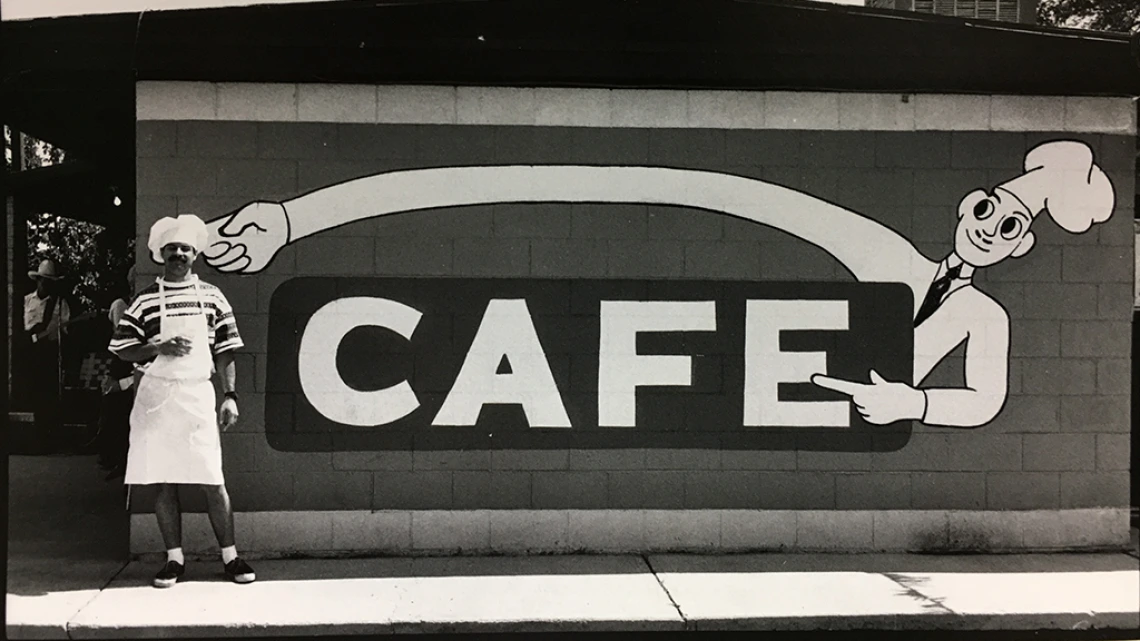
[589, 593]
[67, 579]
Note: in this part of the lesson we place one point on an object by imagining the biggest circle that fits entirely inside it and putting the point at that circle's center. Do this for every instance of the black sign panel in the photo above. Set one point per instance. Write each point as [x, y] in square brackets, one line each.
[365, 364]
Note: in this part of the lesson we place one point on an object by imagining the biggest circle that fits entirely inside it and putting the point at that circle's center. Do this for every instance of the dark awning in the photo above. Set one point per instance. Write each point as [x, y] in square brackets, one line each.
[71, 80]
[754, 44]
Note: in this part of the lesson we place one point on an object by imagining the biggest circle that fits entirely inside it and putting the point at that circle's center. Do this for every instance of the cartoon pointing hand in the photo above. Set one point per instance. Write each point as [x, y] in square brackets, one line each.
[246, 241]
[881, 401]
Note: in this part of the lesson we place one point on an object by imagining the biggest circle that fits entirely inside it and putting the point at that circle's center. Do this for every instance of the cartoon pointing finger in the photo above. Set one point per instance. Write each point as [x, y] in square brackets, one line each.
[880, 401]
[248, 239]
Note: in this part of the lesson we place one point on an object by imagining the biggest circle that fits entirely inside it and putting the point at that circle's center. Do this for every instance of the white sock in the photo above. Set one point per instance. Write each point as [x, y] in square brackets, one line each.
[175, 554]
[229, 554]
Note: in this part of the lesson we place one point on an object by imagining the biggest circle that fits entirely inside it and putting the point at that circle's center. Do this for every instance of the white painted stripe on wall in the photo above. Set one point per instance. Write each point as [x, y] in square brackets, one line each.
[631, 108]
[31, 9]
[409, 532]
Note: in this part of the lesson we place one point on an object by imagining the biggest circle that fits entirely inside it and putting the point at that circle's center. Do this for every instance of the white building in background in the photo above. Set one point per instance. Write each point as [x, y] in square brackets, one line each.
[1004, 10]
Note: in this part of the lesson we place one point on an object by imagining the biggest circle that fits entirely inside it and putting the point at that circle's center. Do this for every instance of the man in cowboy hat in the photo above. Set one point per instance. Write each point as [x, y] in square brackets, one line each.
[45, 320]
[185, 330]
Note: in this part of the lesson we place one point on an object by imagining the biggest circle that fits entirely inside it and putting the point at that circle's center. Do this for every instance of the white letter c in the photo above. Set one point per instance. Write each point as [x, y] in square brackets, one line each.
[316, 361]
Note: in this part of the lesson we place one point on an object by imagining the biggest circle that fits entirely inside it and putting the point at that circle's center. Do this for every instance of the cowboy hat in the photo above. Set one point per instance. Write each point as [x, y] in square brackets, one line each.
[46, 270]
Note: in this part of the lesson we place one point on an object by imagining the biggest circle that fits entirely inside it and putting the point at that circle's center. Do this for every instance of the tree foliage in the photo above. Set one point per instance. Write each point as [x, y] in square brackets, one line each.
[94, 266]
[93, 263]
[1102, 15]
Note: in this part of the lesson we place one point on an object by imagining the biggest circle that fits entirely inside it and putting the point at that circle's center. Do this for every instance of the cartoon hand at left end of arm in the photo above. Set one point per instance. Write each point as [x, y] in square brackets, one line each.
[881, 401]
[245, 241]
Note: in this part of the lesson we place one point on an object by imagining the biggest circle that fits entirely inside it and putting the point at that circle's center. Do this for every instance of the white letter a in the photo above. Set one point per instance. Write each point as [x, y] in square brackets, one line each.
[506, 330]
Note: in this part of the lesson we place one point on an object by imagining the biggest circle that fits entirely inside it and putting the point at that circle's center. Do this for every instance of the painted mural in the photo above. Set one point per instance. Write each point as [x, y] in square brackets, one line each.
[1060, 179]
[367, 363]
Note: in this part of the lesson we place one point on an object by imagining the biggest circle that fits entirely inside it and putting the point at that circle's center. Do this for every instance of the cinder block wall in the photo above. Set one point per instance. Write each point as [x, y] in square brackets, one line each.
[1061, 442]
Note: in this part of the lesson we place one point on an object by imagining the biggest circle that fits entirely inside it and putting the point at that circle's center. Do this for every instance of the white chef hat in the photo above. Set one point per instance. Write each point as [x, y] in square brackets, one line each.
[187, 229]
[1061, 178]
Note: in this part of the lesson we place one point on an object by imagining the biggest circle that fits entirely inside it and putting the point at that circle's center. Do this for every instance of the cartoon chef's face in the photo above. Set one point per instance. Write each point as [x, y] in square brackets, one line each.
[992, 226]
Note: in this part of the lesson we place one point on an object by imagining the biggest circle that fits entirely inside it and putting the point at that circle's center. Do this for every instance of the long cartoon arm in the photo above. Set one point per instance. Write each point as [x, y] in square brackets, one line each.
[247, 240]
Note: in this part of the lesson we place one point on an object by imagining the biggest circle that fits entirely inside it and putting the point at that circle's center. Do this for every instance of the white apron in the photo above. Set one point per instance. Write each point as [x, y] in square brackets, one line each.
[174, 428]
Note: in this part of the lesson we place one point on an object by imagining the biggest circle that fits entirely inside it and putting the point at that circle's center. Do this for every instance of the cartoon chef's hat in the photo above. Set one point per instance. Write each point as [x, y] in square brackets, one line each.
[1061, 178]
[185, 229]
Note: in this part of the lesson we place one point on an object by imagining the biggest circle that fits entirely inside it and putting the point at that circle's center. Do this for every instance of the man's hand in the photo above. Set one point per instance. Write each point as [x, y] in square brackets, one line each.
[246, 241]
[881, 401]
[228, 414]
[177, 346]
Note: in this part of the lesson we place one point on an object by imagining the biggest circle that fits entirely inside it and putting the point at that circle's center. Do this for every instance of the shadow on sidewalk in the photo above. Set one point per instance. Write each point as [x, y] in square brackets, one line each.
[67, 526]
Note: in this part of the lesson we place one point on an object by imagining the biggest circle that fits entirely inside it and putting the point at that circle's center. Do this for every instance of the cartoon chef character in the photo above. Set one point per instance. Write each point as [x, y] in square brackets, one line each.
[1060, 178]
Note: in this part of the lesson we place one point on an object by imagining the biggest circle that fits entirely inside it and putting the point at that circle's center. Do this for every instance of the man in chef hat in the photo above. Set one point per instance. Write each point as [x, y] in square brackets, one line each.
[185, 330]
[1061, 181]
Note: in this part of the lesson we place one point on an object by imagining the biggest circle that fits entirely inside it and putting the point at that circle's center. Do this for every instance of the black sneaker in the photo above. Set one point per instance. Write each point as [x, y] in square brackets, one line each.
[239, 571]
[169, 574]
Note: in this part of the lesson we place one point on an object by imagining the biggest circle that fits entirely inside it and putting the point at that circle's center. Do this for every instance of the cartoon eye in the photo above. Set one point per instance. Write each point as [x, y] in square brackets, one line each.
[1010, 228]
[983, 209]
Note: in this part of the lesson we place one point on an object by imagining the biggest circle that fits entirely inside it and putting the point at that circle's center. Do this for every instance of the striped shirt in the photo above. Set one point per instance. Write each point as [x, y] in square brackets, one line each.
[141, 322]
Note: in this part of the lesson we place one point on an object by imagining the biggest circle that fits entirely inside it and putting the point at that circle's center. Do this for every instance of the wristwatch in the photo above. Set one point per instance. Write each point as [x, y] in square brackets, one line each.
[232, 395]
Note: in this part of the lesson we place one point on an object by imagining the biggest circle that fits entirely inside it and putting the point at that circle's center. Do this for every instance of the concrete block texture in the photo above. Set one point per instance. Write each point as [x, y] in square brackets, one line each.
[1095, 338]
[871, 112]
[259, 102]
[872, 491]
[451, 530]
[531, 531]
[1059, 452]
[946, 112]
[302, 141]
[431, 532]
[1022, 490]
[402, 490]
[1112, 452]
[156, 138]
[176, 176]
[176, 101]
[1060, 441]
[1099, 114]
[690, 530]
[835, 530]
[722, 489]
[568, 490]
[1094, 489]
[668, 108]
[913, 150]
[336, 103]
[1038, 113]
[385, 532]
[487, 490]
[726, 109]
[910, 531]
[988, 531]
[948, 490]
[606, 530]
[595, 108]
[802, 110]
[216, 139]
[333, 491]
[755, 530]
[1096, 414]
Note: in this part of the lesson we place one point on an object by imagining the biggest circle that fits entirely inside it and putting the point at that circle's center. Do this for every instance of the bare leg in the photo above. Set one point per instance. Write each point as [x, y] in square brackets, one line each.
[168, 511]
[221, 513]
